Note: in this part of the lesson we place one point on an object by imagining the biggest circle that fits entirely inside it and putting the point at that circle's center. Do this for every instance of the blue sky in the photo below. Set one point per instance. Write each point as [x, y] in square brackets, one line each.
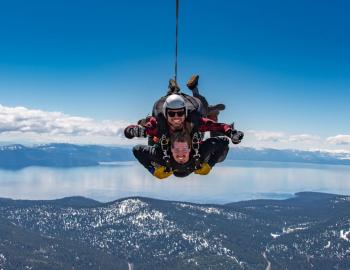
[279, 66]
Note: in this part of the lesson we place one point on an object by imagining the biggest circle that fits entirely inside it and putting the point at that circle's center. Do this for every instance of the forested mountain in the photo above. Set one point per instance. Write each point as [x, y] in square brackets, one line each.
[309, 231]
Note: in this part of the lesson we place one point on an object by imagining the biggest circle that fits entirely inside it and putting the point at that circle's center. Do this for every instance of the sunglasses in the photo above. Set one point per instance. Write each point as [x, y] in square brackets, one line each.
[178, 113]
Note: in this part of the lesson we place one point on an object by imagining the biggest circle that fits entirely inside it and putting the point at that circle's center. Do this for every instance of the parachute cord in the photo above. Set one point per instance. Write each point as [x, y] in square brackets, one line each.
[176, 38]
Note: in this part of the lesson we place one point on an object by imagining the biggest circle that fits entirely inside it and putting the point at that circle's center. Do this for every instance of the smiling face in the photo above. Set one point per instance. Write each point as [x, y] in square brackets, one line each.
[176, 119]
[181, 152]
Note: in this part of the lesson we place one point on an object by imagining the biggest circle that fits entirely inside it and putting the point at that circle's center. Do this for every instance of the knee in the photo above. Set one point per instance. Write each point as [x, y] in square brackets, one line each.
[136, 150]
[225, 142]
[220, 142]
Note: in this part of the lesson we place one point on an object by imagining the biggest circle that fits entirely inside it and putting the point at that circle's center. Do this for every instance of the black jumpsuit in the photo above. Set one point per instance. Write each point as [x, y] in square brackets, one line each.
[212, 151]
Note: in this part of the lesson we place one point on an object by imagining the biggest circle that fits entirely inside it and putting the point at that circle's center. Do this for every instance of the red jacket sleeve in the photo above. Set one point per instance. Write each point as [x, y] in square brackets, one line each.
[206, 124]
[151, 127]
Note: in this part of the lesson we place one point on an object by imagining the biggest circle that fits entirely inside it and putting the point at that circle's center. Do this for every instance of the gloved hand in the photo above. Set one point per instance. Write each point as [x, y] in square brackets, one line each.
[161, 173]
[134, 131]
[204, 170]
[235, 136]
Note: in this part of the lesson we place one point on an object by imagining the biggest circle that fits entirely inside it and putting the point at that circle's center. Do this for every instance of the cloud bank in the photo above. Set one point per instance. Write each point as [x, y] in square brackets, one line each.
[266, 136]
[283, 140]
[21, 122]
[304, 138]
[275, 137]
[339, 140]
[23, 125]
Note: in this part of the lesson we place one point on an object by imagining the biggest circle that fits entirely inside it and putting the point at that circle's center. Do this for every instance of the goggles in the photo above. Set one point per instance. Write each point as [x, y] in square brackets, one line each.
[181, 150]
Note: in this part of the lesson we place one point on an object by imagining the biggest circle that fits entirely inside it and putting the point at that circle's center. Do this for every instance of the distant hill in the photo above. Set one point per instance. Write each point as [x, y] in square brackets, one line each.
[69, 155]
[60, 155]
[308, 231]
[268, 154]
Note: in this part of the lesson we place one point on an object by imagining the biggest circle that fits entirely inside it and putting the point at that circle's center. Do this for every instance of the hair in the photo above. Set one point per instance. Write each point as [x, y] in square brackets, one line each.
[181, 136]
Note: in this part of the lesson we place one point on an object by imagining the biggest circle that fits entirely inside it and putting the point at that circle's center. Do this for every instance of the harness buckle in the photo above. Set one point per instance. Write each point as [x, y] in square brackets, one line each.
[164, 143]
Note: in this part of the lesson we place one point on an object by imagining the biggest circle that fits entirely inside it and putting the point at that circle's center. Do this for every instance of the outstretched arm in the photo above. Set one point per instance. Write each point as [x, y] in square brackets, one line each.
[150, 128]
[207, 124]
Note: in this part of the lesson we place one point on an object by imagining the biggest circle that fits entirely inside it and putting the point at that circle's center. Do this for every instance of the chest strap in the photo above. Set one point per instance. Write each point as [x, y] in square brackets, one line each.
[196, 138]
[164, 144]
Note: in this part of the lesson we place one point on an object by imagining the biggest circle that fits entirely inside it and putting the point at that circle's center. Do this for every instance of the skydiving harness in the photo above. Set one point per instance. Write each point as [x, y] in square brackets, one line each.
[164, 144]
[196, 138]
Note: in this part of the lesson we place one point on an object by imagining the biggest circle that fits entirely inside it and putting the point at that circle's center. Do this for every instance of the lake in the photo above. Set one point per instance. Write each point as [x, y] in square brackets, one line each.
[228, 182]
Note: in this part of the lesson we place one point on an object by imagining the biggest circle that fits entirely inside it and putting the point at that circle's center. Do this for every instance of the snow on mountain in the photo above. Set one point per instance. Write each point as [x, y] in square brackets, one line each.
[310, 230]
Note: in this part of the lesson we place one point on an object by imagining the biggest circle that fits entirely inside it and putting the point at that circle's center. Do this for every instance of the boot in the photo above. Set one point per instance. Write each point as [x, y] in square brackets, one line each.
[193, 82]
[217, 107]
[173, 88]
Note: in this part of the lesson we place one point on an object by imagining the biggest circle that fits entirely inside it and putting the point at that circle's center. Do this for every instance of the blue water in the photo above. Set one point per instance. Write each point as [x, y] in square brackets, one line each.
[229, 182]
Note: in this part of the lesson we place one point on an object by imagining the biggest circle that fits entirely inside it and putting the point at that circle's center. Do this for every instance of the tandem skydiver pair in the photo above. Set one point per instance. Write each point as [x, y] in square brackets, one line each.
[175, 134]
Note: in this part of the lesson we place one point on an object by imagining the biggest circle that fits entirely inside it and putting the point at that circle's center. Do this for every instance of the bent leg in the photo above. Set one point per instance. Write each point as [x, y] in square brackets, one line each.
[203, 100]
[224, 151]
[214, 150]
[148, 156]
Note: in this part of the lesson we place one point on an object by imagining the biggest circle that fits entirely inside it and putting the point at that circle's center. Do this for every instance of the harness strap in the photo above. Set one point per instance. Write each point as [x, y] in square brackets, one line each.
[195, 146]
[164, 143]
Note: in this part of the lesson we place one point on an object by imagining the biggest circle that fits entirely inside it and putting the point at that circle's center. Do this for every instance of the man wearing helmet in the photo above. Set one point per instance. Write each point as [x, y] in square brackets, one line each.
[175, 117]
[179, 112]
[174, 108]
[196, 105]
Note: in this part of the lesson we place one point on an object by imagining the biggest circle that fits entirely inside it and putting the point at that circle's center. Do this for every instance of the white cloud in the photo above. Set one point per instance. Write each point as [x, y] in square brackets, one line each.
[339, 140]
[20, 119]
[282, 137]
[268, 136]
[284, 140]
[24, 125]
[20, 123]
[304, 138]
